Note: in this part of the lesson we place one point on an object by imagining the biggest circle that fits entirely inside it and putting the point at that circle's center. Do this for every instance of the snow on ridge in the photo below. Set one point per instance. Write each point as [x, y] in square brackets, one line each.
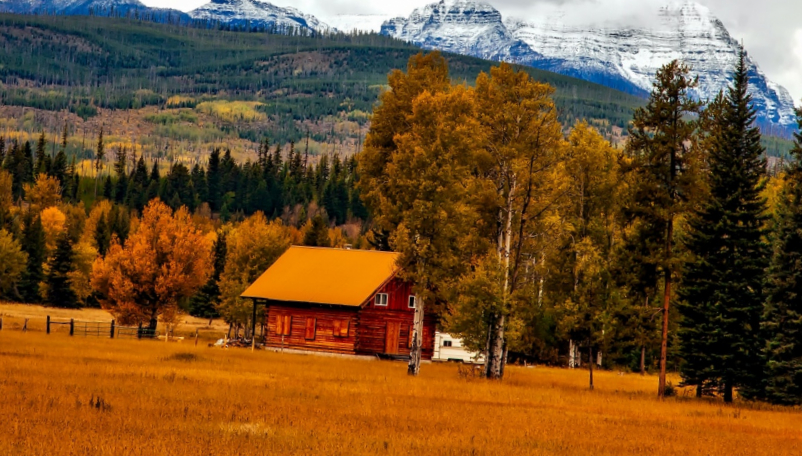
[625, 57]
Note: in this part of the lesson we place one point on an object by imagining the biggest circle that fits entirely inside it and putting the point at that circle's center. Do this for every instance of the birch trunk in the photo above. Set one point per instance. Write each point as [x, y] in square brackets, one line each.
[571, 354]
[643, 359]
[497, 340]
[590, 364]
[417, 340]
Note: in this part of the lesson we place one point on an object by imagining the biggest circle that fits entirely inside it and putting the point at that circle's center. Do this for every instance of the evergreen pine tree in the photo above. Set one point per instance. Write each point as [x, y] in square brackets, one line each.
[59, 167]
[782, 317]
[214, 181]
[33, 243]
[59, 291]
[100, 154]
[204, 304]
[318, 233]
[121, 168]
[102, 235]
[27, 163]
[108, 188]
[41, 153]
[664, 177]
[723, 286]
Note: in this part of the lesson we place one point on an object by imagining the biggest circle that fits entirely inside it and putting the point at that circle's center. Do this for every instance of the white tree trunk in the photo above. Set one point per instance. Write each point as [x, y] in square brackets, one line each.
[571, 354]
[417, 339]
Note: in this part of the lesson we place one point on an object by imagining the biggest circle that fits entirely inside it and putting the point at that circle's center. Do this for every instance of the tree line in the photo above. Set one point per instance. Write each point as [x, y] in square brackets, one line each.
[679, 248]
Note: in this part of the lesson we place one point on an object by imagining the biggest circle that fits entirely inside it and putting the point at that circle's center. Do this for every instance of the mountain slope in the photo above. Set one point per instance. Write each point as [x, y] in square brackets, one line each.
[625, 58]
[83, 64]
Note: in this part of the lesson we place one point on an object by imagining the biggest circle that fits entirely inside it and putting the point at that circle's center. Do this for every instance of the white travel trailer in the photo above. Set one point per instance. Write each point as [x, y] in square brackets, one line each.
[449, 348]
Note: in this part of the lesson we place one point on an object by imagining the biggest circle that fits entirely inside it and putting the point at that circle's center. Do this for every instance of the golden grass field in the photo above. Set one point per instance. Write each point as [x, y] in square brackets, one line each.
[90, 396]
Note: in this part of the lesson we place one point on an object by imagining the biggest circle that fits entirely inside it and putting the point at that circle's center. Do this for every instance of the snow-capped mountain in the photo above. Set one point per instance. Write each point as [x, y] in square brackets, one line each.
[81, 7]
[625, 58]
[255, 12]
[463, 27]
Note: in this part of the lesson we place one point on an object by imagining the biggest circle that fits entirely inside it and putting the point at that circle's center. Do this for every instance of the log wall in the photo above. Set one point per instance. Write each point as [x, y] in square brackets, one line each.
[318, 328]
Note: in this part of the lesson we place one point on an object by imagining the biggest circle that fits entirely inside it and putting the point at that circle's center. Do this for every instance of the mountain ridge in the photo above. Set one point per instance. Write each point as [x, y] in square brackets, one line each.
[624, 58]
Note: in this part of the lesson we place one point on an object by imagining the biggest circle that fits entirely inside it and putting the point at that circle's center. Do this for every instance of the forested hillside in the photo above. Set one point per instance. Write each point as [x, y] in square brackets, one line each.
[87, 63]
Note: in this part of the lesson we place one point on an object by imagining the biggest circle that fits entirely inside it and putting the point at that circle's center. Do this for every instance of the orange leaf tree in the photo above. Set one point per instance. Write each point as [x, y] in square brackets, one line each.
[164, 262]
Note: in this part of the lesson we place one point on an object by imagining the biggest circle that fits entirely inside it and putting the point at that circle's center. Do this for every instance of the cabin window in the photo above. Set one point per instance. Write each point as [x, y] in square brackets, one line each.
[341, 328]
[381, 300]
[412, 301]
[446, 343]
[283, 325]
[311, 327]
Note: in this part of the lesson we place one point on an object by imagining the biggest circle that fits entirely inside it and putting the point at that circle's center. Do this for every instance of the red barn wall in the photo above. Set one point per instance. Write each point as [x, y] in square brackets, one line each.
[324, 338]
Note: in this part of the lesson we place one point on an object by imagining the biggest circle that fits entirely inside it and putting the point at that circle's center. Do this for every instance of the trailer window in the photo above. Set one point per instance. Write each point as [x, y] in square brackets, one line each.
[446, 343]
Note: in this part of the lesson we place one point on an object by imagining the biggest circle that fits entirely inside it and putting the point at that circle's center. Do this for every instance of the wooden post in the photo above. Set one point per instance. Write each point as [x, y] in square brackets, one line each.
[48, 325]
[72, 326]
[25, 326]
[112, 329]
[139, 331]
[196, 337]
[1, 323]
[253, 327]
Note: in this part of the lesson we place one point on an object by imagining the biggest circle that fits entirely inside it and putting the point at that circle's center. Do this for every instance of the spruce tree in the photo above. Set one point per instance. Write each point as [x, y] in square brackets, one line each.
[782, 316]
[204, 303]
[665, 178]
[59, 167]
[723, 286]
[100, 154]
[33, 243]
[108, 188]
[41, 153]
[59, 291]
[102, 235]
[318, 234]
[120, 168]
[214, 181]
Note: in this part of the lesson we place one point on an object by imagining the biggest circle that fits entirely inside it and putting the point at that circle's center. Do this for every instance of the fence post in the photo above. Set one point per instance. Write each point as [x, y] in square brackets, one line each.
[139, 332]
[112, 329]
[196, 337]
[72, 326]
[48, 324]
[1, 323]
[25, 326]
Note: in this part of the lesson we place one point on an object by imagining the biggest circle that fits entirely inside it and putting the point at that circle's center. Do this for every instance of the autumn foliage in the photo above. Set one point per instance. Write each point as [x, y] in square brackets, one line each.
[161, 264]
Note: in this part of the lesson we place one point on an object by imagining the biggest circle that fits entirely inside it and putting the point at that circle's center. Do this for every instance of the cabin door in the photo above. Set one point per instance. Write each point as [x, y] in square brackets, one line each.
[392, 337]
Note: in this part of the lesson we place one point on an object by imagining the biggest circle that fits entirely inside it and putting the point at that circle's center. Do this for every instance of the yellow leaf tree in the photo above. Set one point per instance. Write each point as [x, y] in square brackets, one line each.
[165, 261]
[252, 246]
[45, 192]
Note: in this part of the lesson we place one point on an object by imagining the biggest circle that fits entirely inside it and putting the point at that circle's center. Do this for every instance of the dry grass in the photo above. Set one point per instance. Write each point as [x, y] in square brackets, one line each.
[64, 395]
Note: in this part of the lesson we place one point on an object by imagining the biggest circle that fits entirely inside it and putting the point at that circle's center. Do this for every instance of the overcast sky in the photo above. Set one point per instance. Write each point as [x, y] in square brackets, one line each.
[771, 29]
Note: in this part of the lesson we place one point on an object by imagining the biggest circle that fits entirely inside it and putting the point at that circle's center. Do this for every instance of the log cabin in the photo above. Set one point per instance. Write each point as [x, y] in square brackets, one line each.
[339, 301]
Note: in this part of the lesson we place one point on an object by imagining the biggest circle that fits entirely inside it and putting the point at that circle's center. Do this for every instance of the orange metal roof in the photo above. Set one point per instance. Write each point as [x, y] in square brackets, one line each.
[324, 276]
